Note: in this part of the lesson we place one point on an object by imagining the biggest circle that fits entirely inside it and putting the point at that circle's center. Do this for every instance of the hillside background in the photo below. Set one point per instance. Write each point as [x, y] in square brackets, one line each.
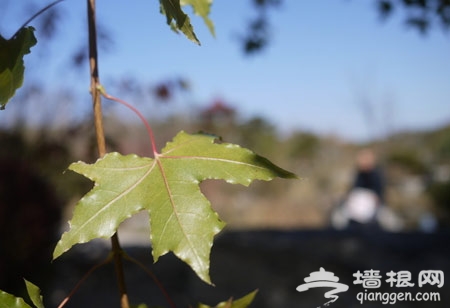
[416, 166]
[277, 232]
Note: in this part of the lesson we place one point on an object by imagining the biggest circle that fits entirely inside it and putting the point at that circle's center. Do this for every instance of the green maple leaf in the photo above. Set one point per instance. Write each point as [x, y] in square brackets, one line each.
[10, 301]
[179, 21]
[12, 67]
[181, 218]
[35, 294]
[202, 9]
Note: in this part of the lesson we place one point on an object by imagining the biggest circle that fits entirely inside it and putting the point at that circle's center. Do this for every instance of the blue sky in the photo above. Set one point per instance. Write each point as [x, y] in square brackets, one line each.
[325, 58]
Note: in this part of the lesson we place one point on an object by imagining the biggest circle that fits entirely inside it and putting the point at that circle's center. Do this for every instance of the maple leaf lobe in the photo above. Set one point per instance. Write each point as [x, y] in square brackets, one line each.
[181, 217]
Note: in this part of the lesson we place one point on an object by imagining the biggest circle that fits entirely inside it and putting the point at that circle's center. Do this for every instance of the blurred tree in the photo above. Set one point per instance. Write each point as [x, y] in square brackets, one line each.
[218, 116]
[421, 15]
[303, 145]
[257, 34]
[440, 194]
[259, 135]
[409, 160]
[439, 142]
[218, 111]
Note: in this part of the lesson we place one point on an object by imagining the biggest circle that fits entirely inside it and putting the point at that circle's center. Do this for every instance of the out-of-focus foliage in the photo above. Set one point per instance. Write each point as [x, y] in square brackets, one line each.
[407, 159]
[420, 14]
[10, 301]
[35, 294]
[440, 142]
[12, 67]
[257, 34]
[326, 162]
[243, 302]
[201, 8]
[439, 188]
[179, 21]
[303, 145]
[440, 193]
[258, 134]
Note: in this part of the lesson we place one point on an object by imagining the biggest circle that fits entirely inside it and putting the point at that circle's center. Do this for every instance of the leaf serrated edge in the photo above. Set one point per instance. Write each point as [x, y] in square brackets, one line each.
[179, 20]
[202, 273]
[35, 294]
[60, 251]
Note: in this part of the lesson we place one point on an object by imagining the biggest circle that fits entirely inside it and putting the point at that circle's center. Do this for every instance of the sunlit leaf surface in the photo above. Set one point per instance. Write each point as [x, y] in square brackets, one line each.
[167, 186]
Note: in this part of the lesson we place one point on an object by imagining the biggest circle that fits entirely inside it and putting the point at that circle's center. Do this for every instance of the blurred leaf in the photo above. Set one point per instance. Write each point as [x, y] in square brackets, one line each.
[184, 84]
[10, 301]
[243, 302]
[421, 23]
[163, 92]
[35, 294]
[177, 19]
[12, 66]
[181, 218]
[202, 9]
[385, 7]
[419, 14]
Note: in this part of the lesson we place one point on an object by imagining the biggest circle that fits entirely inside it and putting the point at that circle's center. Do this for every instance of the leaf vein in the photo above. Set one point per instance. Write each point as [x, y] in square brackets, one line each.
[175, 213]
[119, 196]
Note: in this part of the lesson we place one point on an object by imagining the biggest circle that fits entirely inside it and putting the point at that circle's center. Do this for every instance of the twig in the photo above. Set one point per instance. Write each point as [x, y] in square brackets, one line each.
[78, 285]
[100, 135]
[36, 15]
[95, 80]
[118, 255]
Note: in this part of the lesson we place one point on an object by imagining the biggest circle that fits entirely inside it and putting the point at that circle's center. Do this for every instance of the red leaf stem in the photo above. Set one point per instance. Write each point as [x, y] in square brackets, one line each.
[139, 114]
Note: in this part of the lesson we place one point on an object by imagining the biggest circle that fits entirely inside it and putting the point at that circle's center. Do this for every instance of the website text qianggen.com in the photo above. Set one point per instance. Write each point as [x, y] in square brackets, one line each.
[372, 279]
[393, 297]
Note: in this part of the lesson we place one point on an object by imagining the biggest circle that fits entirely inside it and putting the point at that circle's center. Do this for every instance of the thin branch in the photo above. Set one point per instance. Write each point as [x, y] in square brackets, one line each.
[100, 135]
[36, 15]
[118, 264]
[95, 80]
[82, 280]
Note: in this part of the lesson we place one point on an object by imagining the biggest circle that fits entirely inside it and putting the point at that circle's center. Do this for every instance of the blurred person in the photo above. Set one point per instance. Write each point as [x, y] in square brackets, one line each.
[366, 195]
